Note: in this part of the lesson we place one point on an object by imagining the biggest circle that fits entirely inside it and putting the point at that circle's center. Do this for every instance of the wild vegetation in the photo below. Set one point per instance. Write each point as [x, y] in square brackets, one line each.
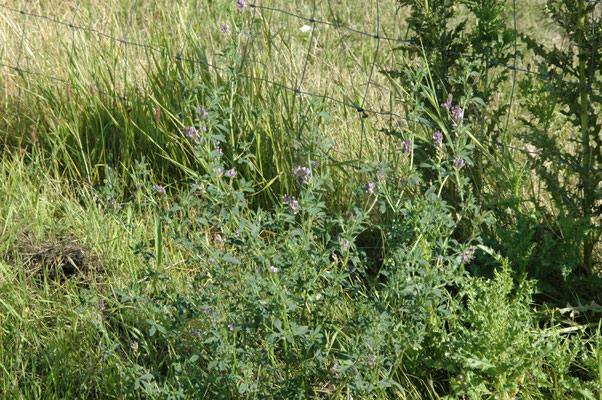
[379, 200]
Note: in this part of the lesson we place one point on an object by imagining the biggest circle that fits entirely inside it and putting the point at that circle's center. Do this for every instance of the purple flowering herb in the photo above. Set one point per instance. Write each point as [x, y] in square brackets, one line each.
[241, 5]
[225, 29]
[231, 326]
[273, 269]
[190, 132]
[219, 171]
[406, 147]
[194, 332]
[135, 345]
[437, 138]
[204, 128]
[315, 164]
[457, 115]
[159, 188]
[301, 174]
[231, 173]
[459, 163]
[219, 149]
[370, 187]
[202, 112]
[211, 260]
[101, 304]
[343, 242]
[447, 105]
[98, 318]
[111, 203]
[292, 203]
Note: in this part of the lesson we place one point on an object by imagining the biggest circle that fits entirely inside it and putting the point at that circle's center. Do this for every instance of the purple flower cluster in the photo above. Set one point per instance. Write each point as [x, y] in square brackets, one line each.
[456, 111]
[194, 332]
[459, 163]
[231, 173]
[344, 243]
[457, 115]
[225, 29]
[159, 188]
[241, 5]
[437, 139]
[371, 357]
[202, 112]
[447, 105]
[292, 203]
[467, 255]
[192, 133]
[370, 187]
[406, 147]
[301, 174]
[273, 269]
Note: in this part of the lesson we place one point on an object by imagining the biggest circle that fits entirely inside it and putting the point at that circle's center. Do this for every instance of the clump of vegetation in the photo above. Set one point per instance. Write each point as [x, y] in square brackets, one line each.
[242, 259]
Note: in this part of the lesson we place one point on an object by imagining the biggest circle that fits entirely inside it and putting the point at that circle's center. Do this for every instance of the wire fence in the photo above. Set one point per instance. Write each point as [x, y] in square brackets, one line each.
[362, 107]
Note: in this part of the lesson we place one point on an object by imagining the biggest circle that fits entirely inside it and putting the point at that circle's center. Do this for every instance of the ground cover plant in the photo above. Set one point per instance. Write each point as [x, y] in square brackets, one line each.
[173, 225]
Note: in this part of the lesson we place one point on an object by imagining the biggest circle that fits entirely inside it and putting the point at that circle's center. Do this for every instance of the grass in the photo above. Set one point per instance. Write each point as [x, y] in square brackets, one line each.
[135, 264]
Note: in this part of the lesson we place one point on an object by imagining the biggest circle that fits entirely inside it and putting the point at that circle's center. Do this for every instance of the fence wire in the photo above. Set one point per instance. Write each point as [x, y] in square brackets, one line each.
[362, 108]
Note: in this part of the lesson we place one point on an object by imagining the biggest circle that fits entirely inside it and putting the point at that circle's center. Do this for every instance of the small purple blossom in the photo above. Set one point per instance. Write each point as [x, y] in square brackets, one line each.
[457, 115]
[370, 187]
[343, 242]
[467, 255]
[301, 174]
[459, 162]
[292, 203]
[241, 5]
[134, 345]
[406, 147]
[231, 173]
[101, 304]
[273, 269]
[447, 105]
[211, 260]
[231, 326]
[219, 171]
[159, 188]
[138, 186]
[202, 112]
[98, 318]
[225, 29]
[437, 138]
[315, 164]
[194, 332]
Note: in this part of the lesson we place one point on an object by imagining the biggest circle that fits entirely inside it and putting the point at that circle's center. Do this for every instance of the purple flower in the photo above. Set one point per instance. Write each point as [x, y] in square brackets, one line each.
[225, 29]
[101, 304]
[437, 138]
[273, 269]
[204, 128]
[314, 164]
[196, 333]
[231, 173]
[301, 174]
[406, 147]
[211, 260]
[343, 242]
[219, 171]
[190, 132]
[231, 326]
[98, 318]
[447, 104]
[202, 112]
[459, 163]
[134, 345]
[467, 255]
[370, 187]
[159, 188]
[457, 115]
[241, 5]
[292, 203]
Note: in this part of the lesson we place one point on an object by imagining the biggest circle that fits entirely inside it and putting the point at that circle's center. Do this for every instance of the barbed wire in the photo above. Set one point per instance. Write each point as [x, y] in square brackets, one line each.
[361, 108]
